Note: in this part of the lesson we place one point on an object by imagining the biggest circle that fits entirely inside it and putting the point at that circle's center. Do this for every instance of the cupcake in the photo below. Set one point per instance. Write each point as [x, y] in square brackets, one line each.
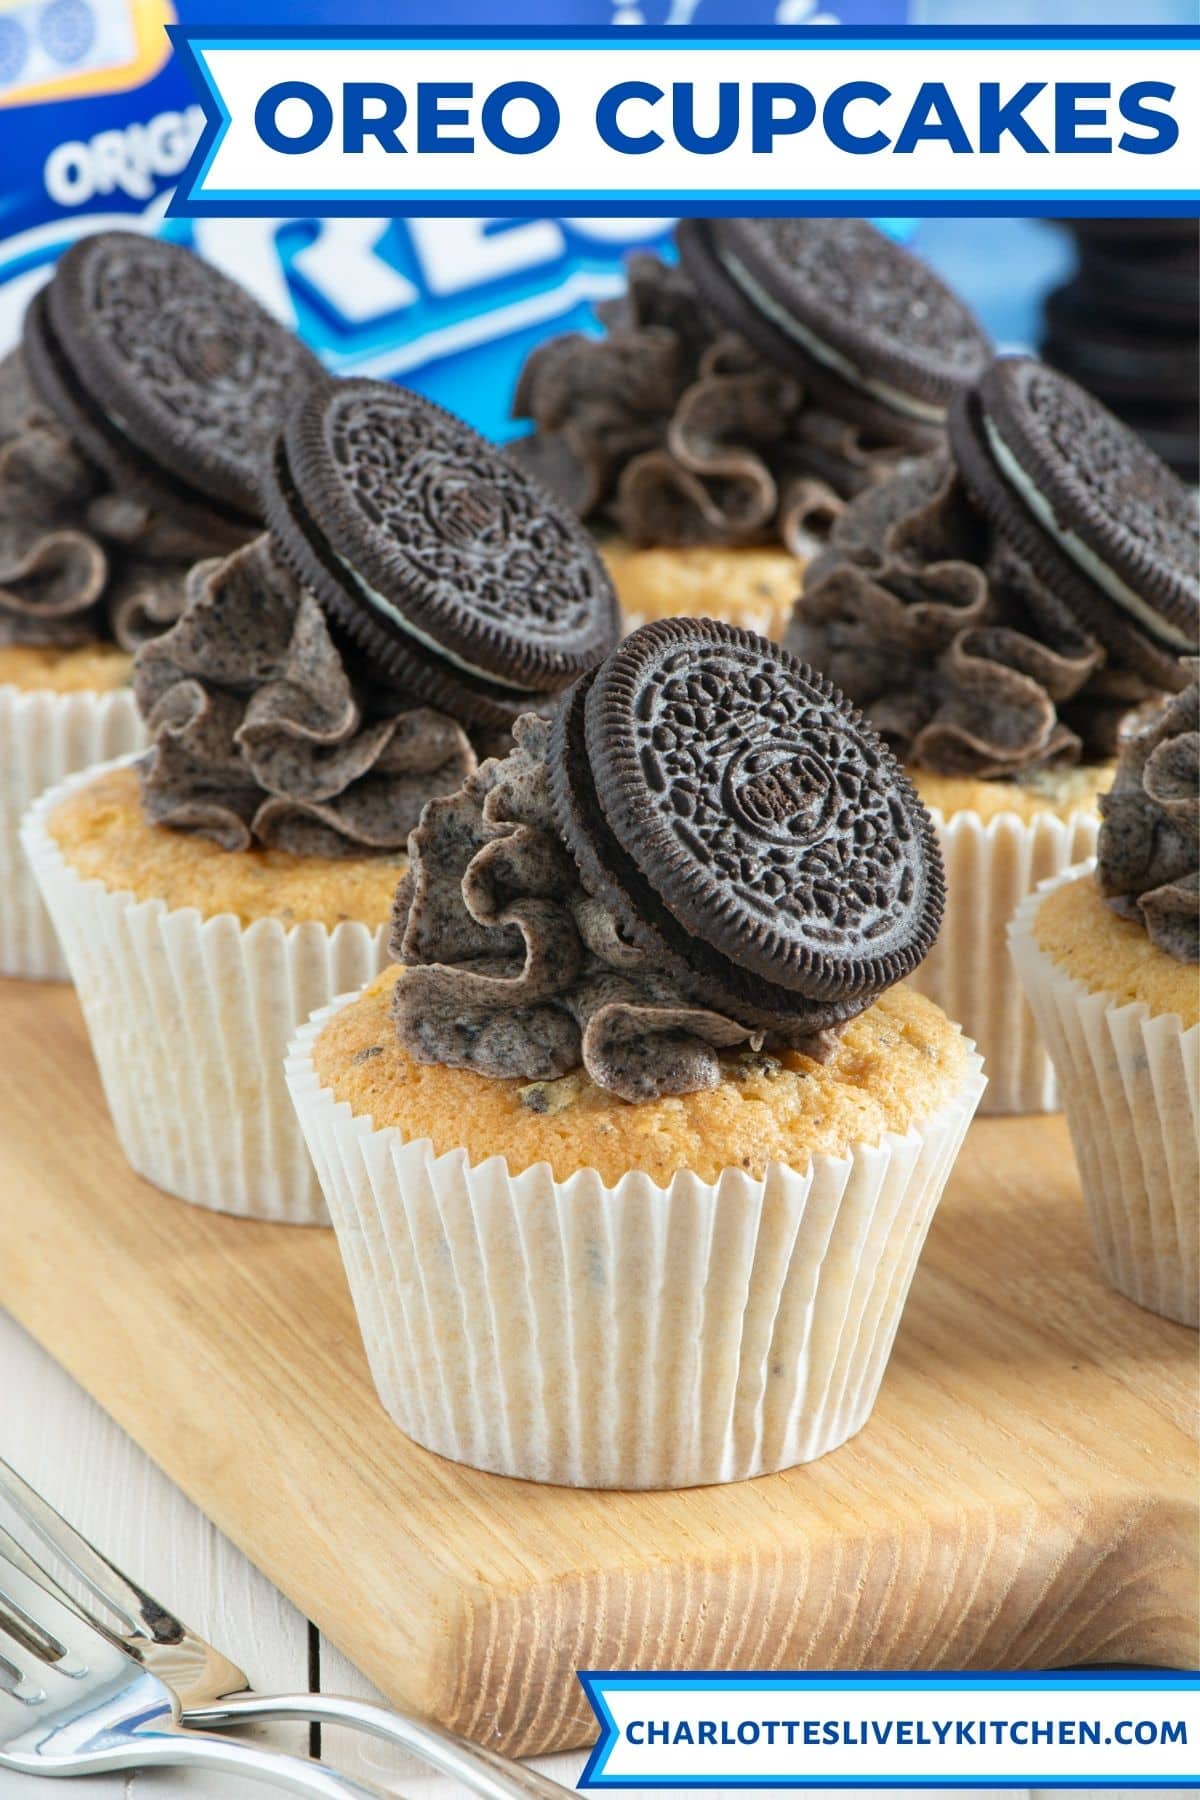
[1108, 955]
[997, 609]
[737, 400]
[323, 683]
[632, 1156]
[131, 417]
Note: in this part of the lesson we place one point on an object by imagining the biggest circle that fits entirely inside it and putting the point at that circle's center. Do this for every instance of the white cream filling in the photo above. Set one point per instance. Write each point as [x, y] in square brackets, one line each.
[1084, 557]
[825, 353]
[406, 625]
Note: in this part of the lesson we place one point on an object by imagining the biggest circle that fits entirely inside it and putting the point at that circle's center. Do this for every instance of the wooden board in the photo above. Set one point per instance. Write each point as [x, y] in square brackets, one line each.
[1025, 1494]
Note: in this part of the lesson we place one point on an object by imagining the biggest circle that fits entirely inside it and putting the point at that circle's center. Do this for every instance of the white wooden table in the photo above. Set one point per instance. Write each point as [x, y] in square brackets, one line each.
[61, 1441]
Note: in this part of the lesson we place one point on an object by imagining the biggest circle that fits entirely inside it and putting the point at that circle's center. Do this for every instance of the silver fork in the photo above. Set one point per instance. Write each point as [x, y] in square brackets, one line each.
[73, 1701]
[214, 1693]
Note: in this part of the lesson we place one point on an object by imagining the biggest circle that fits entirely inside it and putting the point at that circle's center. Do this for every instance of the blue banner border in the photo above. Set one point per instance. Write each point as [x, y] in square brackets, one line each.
[681, 1680]
[191, 42]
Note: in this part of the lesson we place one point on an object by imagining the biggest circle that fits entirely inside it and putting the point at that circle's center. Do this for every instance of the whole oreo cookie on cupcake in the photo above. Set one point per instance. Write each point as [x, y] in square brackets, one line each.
[736, 402]
[132, 421]
[632, 1156]
[413, 593]
[996, 611]
[1108, 956]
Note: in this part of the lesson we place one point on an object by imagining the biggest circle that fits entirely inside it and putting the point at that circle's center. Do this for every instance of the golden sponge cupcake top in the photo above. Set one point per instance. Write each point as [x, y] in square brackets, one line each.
[104, 835]
[751, 585]
[889, 1070]
[95, 668]
[1062, 793]
[1111, 955]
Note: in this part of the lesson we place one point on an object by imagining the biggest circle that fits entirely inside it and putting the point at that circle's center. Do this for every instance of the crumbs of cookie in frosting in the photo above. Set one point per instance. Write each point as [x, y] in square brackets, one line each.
[1149, 850]
[263, 734]
[891, 1068]
[957, 652]
[678, 432]
[80, 564]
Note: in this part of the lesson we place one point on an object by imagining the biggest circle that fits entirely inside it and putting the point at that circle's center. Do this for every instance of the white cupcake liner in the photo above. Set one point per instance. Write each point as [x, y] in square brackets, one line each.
[628, 1336]
[44, 737]
[1130, 1083]
[990, 868]
[189, 1020]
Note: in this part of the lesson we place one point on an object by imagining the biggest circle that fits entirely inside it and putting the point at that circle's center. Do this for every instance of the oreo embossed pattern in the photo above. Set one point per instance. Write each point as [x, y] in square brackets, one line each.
[764, 834]
[470, 584]
[170, 375]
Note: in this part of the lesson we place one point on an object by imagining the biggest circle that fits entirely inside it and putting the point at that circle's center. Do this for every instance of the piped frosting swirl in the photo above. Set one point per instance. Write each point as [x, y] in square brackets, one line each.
[957, 651]
[79, 561]
[514, 969]
[267, 731]
[674, 430]
[1149, 852]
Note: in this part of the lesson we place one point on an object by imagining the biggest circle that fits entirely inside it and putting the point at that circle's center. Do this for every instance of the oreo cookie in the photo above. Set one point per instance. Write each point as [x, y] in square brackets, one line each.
[745, 825]
[1145, 230]
[451, 567]
[1122, 364]
[874, 333]
[168, 375]
[1147, 281]
[1085, 501]
[1125, 327]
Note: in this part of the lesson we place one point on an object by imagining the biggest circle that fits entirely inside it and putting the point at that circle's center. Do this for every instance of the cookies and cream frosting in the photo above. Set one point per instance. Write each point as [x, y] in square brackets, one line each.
[79, 561]
[957, 651]
[266, 731]
[1149, 852]
[674, 430]
[514, 969]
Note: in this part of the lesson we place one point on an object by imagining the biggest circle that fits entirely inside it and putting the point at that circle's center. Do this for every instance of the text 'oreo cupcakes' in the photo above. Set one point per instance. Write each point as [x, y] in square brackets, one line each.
[738, 400]
[241, 875]
[632, 1158]
[1108, 954]
[997, 612]
[133, 419]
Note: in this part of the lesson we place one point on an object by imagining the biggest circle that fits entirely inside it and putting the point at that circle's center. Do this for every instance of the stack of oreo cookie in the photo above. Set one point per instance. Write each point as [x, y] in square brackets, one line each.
[1125, 327]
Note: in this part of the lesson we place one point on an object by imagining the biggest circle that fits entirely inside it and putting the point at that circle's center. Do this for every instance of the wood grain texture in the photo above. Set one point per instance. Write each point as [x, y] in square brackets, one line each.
[1025, 1494]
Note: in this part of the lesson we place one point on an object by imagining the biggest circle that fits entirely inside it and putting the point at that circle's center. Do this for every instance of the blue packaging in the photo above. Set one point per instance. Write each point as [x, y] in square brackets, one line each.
[97, 120]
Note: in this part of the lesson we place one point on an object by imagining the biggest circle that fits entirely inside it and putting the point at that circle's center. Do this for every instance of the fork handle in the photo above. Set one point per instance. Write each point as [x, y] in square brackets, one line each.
[484, 1772]
[178, 1749]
